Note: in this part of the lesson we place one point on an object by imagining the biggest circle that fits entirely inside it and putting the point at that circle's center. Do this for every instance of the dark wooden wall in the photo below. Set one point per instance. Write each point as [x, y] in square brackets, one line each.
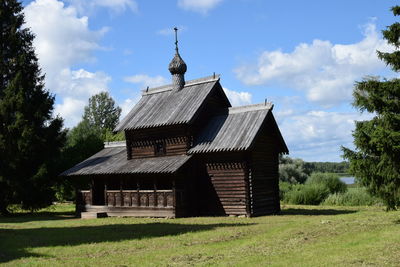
[215, 104]
[177, 139]
[141, 143]
[264, 174]
[229, 180]
[173, 146]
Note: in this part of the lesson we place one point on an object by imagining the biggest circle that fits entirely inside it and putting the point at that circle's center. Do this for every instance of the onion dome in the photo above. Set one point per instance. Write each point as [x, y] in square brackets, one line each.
[177, 65]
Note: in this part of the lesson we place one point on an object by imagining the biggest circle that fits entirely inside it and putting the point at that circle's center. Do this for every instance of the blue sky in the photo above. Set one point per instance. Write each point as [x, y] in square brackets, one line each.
[304, 56]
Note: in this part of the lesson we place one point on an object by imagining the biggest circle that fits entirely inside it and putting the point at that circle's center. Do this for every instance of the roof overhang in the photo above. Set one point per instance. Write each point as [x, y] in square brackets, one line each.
[112, 160]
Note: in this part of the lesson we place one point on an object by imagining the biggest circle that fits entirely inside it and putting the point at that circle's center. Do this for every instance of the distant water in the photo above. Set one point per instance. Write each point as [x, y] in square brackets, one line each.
[347, 180]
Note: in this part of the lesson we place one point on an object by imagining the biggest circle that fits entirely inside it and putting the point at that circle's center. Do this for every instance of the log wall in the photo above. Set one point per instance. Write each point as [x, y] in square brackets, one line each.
[264, 176]
[147, 148]
[229, 182]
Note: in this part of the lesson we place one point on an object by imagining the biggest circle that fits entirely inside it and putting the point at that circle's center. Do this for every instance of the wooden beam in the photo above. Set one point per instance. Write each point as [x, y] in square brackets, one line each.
[138, 193]
[120, 190]
[155, 193]
[91, 191]
[173, 193]
[105, 193]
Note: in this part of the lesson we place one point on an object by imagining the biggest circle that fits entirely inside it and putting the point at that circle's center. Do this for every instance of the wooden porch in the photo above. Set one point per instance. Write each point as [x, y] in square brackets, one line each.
[137, 203]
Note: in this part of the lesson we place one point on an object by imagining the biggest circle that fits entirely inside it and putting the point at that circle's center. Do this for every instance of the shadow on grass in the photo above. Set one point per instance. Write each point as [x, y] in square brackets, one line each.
[16, 242]
[313, 212]
[40, 216]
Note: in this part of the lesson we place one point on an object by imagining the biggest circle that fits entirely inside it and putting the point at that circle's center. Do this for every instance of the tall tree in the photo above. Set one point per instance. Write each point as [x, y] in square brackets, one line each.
[30, 138]
[102, 112]
[376, 162]
[82, 142]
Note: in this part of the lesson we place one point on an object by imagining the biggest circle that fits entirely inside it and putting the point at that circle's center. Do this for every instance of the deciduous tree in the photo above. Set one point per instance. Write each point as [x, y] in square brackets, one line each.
[292, 170]
[102, 112]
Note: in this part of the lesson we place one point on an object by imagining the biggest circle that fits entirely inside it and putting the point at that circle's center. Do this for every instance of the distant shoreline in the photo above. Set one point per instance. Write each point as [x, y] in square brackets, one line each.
[347, 180]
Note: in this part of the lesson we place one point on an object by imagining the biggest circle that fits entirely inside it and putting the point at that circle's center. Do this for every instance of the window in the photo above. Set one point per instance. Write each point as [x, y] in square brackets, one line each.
[159, 149]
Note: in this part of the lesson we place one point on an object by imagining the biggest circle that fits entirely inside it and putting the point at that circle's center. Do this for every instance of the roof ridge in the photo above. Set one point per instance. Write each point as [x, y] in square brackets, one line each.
[254, 107]
[115, 144]
[168, 87]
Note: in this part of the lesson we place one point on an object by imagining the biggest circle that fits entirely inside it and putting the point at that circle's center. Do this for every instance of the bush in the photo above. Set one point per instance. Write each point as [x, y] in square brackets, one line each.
[284, 187]
[353, 197]
[329, 180]
[308, 194]
[292, 170]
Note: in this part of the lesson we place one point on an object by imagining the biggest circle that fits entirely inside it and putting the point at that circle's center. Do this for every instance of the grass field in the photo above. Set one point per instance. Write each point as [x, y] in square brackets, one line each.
[300, 236]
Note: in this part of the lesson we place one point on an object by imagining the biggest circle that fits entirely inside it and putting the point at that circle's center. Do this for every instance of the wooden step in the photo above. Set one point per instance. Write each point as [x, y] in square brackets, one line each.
[93, 215]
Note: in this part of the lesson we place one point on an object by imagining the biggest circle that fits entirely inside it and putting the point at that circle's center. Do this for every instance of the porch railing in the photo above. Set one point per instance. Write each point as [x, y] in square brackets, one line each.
[85, 197]
[141, 198]
[137, 198]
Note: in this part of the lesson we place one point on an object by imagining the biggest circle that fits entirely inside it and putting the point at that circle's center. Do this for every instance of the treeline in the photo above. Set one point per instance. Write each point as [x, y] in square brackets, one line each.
[318, 183]
[100, 117]
[295, 170]
[331, 167]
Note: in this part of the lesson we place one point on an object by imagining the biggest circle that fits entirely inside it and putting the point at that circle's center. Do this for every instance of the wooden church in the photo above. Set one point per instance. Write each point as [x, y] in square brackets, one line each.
[187, 153]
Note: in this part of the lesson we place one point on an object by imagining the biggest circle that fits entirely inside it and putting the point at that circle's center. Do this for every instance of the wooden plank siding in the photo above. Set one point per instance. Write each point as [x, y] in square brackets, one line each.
[264, 176]
[173, 146]
[229, 182]
[142, 151]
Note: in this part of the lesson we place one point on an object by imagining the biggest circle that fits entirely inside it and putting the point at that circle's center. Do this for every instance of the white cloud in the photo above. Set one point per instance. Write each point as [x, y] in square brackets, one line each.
[76, 87]
[238, 98]
[325, 71]
[62, 40]
[72, 109]
[317, 135]
[127, 52]
[146, 80]
[116, 6]
[201, 6]
[128, 104]
[81, 83]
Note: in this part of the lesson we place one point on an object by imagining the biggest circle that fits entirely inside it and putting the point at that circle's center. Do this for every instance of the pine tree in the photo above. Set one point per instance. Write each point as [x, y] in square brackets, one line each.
[376, 162]
[30, 138]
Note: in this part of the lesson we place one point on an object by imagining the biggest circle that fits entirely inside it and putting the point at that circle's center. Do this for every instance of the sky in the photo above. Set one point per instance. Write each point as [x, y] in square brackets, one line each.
[304, 56]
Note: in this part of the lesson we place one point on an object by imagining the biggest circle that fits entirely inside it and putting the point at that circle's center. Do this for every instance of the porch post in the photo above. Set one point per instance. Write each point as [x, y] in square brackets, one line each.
[120, 191]
[155, 192]
[138, 192]
[105, 192]
[78, 201]
[91, 191]
[173, 193]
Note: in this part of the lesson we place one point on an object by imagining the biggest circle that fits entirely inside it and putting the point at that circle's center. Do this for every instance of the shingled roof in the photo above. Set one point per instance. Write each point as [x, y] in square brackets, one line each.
[112, 160]
[235, 131]
[163, 106]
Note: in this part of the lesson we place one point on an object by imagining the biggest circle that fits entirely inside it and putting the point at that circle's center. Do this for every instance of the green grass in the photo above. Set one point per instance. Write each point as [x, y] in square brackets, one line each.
[354, 196]
[301, 236]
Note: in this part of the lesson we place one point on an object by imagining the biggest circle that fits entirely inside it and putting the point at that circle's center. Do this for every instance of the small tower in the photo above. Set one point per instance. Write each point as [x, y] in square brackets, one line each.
[177, 67]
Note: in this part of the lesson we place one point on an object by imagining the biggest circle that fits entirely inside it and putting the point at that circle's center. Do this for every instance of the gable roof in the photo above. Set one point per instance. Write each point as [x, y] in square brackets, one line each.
[112, 160]
[235, 131]
[162, 106]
